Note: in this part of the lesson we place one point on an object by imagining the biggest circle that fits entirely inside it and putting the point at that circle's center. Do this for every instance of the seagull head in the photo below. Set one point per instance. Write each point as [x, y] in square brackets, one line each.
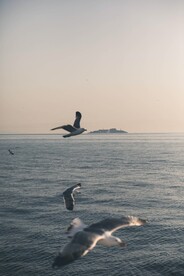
[83, 129]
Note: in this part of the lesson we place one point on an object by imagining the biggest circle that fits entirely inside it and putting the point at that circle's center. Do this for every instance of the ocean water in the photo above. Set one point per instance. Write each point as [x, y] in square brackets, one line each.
[130, 174]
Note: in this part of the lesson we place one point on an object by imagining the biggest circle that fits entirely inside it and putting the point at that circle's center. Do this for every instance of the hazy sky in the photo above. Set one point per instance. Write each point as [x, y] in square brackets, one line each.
[119, 62]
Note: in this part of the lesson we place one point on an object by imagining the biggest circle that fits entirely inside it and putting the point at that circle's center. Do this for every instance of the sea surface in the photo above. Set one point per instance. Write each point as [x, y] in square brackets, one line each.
[127, 174]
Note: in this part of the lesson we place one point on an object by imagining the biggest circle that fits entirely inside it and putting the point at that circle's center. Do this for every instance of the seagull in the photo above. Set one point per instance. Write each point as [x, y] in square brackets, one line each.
[75, 129]
[11, 152]
[68, 196]
[85, 238]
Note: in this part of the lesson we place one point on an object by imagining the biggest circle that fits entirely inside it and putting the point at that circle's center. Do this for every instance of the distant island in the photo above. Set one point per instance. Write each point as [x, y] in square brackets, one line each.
[108, 131]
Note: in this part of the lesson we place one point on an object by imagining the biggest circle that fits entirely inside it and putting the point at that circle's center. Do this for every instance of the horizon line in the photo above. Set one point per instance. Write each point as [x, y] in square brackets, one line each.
[149, 132]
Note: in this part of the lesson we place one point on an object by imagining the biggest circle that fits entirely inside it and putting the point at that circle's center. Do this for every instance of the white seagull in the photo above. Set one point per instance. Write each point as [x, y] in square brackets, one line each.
[68, 196]
[85, 238]
[75, 129]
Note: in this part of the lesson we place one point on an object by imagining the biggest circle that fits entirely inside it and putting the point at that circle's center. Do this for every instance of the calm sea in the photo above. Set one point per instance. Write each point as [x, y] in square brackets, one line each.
[129, 174]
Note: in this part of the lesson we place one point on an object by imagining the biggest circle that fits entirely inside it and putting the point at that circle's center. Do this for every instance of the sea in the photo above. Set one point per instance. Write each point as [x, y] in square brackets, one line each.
[120, 174]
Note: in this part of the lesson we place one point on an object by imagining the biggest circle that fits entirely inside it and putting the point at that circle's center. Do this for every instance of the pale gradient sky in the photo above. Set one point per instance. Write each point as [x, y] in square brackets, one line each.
[119, 62]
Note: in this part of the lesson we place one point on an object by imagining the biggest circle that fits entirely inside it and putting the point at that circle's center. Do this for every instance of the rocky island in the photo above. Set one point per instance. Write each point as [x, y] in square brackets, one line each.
[108, 131]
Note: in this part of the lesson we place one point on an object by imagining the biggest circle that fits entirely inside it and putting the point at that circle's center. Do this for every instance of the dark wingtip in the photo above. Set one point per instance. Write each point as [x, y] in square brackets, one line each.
[57, 262]
[61, 261]
[53, 265]
[78, 114]
[69, 208]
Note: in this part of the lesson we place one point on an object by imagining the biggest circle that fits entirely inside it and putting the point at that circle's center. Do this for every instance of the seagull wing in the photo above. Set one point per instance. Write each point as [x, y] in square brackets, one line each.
[68, 128]
[68, 196]
[81, 243]
[113, 224]
[69, 200]
[75, 226]
[77, 120]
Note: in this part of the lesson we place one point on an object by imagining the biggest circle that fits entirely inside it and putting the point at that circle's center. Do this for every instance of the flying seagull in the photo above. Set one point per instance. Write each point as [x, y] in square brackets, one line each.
[68, 196]
[11, 152]
[75, 129]
[85, 238]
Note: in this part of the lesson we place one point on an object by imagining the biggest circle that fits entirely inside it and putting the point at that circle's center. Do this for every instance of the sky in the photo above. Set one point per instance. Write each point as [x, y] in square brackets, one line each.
[119, 62]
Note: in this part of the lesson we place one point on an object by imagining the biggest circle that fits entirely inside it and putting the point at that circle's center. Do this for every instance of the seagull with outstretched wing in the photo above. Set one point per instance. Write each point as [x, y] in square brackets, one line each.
[85, 238]
[73, 130]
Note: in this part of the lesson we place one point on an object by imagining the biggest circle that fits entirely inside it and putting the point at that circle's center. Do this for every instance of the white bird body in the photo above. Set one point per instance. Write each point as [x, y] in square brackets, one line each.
[76, 131]
[109, 240]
